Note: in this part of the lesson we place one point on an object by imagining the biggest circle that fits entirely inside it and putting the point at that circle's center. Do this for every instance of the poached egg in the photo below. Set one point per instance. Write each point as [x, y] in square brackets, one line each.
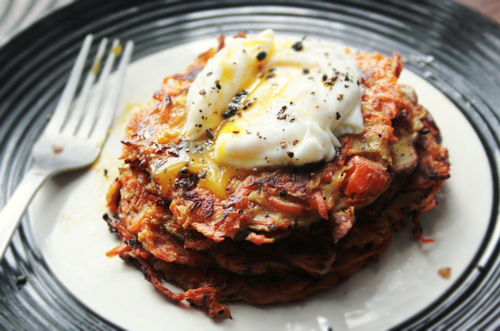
[266, 101]
[270, 101]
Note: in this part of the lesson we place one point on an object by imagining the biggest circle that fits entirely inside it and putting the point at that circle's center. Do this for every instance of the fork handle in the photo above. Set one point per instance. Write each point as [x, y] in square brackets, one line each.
[11, 215]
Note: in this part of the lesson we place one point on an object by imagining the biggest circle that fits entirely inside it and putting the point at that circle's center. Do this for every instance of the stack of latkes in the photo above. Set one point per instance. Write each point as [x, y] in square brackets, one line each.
[280, 233]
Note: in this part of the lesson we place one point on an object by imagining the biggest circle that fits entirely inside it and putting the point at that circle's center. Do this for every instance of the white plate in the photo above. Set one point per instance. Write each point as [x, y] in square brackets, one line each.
[67, 223]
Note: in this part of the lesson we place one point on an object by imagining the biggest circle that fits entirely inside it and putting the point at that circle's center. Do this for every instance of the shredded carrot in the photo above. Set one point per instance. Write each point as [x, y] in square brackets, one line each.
[320, 204]
[285, 206]
[431, 205]
[134, 228]
[118, 250]
[424, 240]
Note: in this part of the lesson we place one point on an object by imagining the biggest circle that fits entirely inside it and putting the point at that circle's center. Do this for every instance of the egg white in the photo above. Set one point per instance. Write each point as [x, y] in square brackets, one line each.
[297, 99]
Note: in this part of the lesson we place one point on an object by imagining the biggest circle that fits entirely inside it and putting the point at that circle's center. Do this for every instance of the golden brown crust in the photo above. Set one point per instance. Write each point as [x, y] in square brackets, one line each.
[282, 233]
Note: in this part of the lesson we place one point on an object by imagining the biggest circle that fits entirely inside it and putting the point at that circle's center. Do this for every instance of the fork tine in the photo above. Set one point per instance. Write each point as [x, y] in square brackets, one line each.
[89, 118]
[101, 130]
[63, 106]
[76, 115]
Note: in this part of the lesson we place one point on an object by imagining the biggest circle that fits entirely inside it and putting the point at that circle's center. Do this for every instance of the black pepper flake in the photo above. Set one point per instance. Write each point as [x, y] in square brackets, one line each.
[173, 152]
[209, 134]
[324, 78]
[203, 92]
[305, 71]
[105, 172]
[220, 312]
[346, 78]
[295, 142]
[346, 86]
[167, 101]
[202, 174]
[271, 75]
[218, 86]
[338, 116]
[281, 113]
[236, 132]
[340, 97]
[183, 171]
[298, 46]
[209, 74]
[290, 154]
[330, 82]
[132, 242]
[379, 135]
[283, 193]
[247, 104]
[261, 55]
[357, 82]
[21, 280]
[235, 104]
[230, 112]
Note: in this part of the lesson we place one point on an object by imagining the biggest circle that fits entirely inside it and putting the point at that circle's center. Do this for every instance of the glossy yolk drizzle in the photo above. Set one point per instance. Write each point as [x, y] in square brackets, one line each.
[198, 158]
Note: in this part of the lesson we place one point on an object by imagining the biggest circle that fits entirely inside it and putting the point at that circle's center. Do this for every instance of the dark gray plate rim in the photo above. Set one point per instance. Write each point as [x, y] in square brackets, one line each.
[454, 48]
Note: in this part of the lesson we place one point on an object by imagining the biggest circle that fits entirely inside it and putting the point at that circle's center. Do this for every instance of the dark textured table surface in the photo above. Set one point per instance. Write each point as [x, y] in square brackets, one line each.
[490, 8]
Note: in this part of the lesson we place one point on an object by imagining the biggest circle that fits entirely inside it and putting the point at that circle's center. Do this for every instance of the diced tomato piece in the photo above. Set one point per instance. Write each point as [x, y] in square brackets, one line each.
[365, 178]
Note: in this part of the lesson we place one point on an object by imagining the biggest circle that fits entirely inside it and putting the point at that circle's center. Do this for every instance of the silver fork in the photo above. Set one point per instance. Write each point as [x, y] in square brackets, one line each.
[74, 137]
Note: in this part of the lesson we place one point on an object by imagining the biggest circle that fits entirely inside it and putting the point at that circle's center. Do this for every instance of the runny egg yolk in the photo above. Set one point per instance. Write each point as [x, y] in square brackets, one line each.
[197, 157]
[267, 101]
